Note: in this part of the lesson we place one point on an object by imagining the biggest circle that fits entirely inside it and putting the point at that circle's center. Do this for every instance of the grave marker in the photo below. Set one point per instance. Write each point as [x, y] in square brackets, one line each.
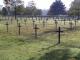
[17, 21]
[56, 24]
[64, 21]
[36, 28]
[33, 23]
[25, 21]
[7, 26]
[71, 25]
[11, 20]
[19, 28]
[43, 23]
[59, 35]
[75, 23]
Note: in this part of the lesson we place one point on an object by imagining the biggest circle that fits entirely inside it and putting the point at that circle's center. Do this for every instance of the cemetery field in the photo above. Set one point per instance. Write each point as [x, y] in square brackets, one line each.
[22, 45]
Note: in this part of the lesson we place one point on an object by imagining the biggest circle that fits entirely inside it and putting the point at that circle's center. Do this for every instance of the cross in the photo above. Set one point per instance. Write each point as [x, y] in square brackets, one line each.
[7, 26]
[75, 23]
[36, 17]
[15, 12]
[43, 23]
[11, 20]
[17, 21]
[25, 21]
[32, 17]
[46, 19]
[59, 35]
[19, 26]
[70, 25]
[26, 18]
[33, 23]
[64, 21]
[36, 28]
[41, 17]
[56, 24]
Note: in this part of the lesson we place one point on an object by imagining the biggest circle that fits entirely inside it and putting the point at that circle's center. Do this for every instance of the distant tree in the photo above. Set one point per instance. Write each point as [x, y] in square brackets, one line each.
[38, 12]
[4, 11]
[32, 10]
[20, 10]
[29, 11]
[10, 5]
[57, 8]
[75, 8]
[32, 6]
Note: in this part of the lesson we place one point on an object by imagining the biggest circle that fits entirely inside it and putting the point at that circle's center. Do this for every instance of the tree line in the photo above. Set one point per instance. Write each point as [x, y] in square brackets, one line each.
[57, 8]
[19, 8]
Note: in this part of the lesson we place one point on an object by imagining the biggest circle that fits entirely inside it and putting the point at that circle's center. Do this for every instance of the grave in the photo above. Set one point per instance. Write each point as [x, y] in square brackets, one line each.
[43, 23]
[19, 29]
[56, 24]
[59, 35]
[7, 26]
[33, 23]
[36, 28]
[71, 25]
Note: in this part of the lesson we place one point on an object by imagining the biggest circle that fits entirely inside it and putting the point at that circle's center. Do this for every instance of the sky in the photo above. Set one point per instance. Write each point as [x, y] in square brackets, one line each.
[45, 4]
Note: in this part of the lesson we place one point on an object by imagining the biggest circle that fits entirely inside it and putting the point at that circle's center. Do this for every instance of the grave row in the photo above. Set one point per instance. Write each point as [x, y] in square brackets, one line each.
[58, 29]
[38, 17]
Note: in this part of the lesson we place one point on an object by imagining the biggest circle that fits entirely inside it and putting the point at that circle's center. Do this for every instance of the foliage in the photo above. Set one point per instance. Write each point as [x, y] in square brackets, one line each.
[4, 11]
[35, 11]
[75, 8]
[57, 8]
[20, 10]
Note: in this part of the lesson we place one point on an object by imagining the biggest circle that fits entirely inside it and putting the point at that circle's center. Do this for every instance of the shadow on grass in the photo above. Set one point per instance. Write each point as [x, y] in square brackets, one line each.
[57, 54]
[78, 57]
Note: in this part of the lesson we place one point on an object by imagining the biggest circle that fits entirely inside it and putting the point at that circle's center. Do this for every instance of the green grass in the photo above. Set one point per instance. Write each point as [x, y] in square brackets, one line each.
[45, 47]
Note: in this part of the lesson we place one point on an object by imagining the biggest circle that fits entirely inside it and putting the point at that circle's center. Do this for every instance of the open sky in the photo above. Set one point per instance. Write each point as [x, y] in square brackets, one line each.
[45, 4]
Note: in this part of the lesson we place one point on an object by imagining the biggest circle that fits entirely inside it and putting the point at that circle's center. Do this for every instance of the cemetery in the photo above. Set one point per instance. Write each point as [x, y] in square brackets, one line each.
[34, 38]
[29, 36]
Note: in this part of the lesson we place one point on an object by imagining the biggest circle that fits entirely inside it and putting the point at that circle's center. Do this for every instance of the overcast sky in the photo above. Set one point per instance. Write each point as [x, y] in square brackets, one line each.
[45, 4]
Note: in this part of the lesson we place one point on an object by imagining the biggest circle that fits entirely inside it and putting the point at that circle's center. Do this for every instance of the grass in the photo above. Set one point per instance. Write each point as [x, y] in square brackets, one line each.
[26, 47]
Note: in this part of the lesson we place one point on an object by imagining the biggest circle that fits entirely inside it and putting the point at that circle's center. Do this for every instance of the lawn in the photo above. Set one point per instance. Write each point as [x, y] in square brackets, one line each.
[45, 47]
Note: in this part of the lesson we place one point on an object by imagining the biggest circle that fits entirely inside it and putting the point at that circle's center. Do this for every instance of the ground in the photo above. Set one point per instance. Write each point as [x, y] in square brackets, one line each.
[25, 47]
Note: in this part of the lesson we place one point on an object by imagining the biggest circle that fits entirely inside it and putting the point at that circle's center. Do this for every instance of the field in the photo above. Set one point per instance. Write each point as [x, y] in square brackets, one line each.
[25, 47]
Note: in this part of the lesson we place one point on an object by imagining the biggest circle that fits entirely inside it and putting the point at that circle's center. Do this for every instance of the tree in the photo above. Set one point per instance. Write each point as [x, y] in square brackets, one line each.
[32, 6]
[20, 10]
[32, 10]
[11, 5]
[75, 8]
[29, 11]
[38, 12]
[4, 11]
[57, 8]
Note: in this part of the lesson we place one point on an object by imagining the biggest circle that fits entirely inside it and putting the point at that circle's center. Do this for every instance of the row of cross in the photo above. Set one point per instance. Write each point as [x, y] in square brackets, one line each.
[35, 27]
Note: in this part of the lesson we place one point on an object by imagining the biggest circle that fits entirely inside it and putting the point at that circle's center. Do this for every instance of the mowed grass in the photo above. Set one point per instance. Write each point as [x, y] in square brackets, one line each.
[45, 47]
